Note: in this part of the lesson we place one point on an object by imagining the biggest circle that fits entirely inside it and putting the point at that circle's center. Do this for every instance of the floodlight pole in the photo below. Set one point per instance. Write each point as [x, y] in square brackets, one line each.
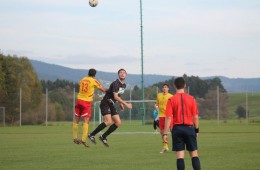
[46, 108]
[142, 61]
[20, 107]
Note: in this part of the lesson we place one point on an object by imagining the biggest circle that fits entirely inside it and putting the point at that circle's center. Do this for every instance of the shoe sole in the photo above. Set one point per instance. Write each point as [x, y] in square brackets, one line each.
[93, 141]
[103, 142]
[86, 145]
[164, 151]
[77, 142]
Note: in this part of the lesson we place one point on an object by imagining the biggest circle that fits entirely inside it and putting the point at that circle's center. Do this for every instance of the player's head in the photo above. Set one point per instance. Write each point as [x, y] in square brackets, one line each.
[165, 88]
[92, 72]
[122, 74]
[165, 85]
[121, 70]
[179, 83]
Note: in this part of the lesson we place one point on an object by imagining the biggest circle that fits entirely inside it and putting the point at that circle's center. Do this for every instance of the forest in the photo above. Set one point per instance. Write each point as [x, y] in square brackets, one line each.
[18, 78]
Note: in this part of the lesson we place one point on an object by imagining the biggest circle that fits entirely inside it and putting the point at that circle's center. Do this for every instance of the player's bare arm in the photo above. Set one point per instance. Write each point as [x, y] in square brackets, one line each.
[196, 124]
[166, 128]
[122, 107]
[116, 97]
[103, 89]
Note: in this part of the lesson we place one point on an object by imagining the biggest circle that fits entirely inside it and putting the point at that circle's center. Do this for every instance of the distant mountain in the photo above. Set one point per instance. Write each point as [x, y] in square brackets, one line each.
[235, 85]
[52, 72]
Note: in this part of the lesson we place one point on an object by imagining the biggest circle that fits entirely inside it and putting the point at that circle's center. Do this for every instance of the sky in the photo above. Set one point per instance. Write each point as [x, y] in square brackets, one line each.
[194, 37]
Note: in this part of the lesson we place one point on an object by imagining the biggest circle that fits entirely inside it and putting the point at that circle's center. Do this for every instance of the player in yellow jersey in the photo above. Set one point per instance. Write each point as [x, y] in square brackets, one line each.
[161, 102]
[87, 87]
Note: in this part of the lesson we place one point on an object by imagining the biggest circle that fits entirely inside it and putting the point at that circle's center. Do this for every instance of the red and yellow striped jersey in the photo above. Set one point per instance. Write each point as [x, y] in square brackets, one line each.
[87, 87]
[161, 101]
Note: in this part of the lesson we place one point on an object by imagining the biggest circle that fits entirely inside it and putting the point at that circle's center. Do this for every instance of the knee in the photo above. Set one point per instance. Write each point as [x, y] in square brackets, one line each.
[194, 154]
[118, 123]
[108, 123]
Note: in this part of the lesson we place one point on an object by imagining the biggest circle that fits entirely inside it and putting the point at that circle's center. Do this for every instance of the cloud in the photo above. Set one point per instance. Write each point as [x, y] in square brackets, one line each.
[198, 37]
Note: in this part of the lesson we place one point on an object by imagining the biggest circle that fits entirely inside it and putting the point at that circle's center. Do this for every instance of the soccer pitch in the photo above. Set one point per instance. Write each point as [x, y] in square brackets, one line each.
[226, 147]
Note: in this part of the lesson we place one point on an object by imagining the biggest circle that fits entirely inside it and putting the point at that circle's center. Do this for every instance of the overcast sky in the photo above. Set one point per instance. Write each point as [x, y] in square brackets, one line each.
[195, 37]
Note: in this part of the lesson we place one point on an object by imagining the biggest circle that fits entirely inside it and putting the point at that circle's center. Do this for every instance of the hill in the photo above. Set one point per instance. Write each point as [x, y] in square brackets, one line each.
[52, 72]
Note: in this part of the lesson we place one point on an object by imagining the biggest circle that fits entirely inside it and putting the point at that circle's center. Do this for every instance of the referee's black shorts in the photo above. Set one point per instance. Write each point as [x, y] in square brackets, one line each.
[184, 135]
[107, 107]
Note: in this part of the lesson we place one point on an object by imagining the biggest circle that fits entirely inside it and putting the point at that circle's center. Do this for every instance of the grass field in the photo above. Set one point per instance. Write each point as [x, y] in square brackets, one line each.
[236, 99]
[229, 146]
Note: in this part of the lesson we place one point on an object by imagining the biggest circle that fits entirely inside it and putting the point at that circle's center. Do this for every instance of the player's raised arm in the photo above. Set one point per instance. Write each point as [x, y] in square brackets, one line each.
[116, 97]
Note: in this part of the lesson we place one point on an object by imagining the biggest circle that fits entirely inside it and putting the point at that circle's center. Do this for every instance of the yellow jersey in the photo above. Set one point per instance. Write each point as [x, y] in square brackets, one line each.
[87, 87]
[161, 101]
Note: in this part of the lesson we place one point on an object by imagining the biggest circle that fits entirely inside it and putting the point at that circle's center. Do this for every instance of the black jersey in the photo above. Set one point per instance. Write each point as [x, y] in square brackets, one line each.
[116, 87]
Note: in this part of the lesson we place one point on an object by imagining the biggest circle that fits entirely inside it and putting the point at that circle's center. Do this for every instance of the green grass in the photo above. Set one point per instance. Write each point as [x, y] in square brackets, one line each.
[228, 146]
[236, 99]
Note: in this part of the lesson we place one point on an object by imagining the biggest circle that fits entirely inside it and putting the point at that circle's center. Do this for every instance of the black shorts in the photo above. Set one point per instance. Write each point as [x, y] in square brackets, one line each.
[183, 135]
[107, 107]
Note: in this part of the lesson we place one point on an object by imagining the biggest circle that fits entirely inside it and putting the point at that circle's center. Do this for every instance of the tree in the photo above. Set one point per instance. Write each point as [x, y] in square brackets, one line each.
[241, 112]
[18, 73]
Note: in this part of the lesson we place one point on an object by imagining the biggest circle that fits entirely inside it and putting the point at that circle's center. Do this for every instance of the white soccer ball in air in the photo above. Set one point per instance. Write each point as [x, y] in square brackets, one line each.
[93, 3]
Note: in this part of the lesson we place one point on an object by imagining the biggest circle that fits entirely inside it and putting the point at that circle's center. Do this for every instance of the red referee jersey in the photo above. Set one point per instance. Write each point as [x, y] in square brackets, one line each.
[182, 107]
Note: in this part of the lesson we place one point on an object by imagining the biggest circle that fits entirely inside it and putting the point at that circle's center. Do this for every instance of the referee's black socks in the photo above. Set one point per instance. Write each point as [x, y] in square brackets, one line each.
[195, 163]
[180, 164]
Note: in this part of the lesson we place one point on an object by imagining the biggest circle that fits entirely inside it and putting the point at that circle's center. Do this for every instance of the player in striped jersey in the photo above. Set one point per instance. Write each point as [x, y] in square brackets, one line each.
[87, 87]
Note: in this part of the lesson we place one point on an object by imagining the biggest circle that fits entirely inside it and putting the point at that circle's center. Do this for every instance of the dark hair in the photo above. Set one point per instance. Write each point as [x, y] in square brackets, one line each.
[179, 83]
[92, 72]
[121, 69]
[166, 84]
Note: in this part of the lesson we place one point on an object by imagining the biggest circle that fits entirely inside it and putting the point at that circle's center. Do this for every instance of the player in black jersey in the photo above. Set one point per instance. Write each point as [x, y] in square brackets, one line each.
[108, 109]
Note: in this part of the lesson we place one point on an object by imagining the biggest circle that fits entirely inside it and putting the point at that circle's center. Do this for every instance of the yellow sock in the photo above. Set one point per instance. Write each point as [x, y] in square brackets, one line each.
[165, 145]
[75, 130]
[84, 132]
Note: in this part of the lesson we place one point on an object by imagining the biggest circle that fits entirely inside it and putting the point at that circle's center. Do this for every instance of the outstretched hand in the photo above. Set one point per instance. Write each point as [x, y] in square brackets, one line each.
[129, 105]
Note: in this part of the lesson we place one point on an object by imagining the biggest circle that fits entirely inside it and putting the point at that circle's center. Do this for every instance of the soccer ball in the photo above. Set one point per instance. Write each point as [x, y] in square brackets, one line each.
[93, 3]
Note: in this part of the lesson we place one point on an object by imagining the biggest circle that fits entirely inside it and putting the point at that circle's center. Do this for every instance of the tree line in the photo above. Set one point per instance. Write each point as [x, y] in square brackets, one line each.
[17, 72]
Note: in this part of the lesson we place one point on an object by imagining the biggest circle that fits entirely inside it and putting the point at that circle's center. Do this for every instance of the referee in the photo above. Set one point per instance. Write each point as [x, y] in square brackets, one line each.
[183, 109]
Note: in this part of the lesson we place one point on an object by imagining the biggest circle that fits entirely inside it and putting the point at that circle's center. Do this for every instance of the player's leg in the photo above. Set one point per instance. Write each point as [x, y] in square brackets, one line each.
[195, 160]
[113, 127]
[192, 147]
[161, 127]
[76, 124]
[106, 113]
[178, 145]
[75, 130]
[107, 122]
[180, 160]
[154, 125]
[85, 132]
[86, 114]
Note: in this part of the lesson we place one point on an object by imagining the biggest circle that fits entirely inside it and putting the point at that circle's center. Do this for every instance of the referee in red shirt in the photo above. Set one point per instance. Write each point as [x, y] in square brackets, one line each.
[183, 109]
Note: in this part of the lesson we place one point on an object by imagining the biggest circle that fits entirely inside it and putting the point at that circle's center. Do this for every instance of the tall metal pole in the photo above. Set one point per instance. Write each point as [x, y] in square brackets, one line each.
[20, 107]
[247, 108]
[142, 61]
[218, 103]
[46, 108]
